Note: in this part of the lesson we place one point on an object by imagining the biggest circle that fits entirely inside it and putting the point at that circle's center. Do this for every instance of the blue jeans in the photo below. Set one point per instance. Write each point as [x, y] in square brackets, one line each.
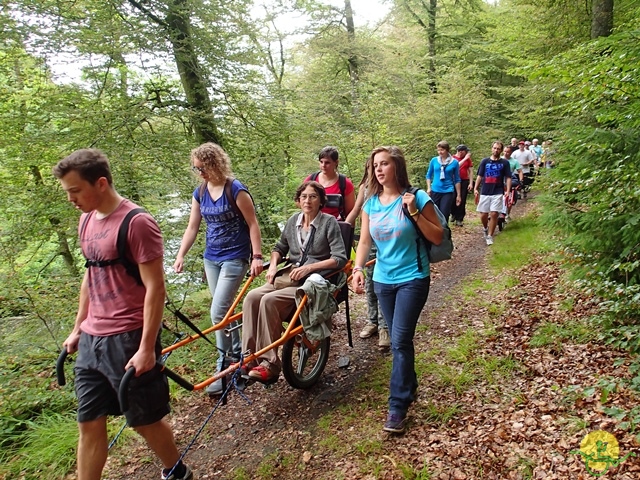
[401, 306]
[224, 279]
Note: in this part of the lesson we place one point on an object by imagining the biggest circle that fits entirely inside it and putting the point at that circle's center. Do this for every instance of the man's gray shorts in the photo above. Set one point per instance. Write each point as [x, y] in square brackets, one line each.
[99, 370]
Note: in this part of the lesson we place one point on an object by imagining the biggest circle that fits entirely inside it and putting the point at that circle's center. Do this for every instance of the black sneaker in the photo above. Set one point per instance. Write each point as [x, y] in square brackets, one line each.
[188, 474]
[395, 423]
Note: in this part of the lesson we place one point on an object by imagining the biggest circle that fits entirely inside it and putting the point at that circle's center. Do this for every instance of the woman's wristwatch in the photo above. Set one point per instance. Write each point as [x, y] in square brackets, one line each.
[256, 256]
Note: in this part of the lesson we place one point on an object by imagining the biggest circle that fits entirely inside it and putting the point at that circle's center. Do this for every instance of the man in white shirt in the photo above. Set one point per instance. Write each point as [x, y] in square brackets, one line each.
[524, 157]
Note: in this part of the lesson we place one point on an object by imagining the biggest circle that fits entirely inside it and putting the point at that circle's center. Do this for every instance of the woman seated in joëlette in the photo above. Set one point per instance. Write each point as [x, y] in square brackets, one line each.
[313, 241]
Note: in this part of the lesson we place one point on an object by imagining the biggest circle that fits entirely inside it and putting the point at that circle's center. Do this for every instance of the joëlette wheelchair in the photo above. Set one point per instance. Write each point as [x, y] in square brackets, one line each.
[303, 361]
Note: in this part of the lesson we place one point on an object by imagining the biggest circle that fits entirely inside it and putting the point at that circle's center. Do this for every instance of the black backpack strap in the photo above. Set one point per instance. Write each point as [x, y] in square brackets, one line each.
[121, 244]
[342, 183]
[232, 201]
[201, 190]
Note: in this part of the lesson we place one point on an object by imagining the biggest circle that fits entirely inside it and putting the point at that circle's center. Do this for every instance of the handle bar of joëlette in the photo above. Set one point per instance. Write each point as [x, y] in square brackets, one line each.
[126, 379]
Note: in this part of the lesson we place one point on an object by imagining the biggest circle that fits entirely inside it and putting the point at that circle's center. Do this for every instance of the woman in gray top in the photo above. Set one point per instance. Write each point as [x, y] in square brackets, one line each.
[313, 241]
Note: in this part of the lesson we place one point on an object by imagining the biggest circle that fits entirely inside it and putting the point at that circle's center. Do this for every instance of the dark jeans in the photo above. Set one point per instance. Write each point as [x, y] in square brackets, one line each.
[401, 306]
[444, 201]
[459, 211]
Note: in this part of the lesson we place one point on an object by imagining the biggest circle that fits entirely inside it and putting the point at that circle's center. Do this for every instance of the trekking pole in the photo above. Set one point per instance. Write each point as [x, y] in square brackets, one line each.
[221, 401]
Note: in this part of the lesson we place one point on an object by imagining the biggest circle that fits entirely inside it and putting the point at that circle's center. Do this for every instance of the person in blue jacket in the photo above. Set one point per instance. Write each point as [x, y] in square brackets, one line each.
[443, 180]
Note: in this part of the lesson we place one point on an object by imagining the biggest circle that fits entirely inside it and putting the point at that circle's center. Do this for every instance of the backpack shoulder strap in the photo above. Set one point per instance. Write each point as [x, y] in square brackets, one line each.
[121, 244]
[342, 183]
[420, 237]
[314, 176]
[201, 191]
[228, 192]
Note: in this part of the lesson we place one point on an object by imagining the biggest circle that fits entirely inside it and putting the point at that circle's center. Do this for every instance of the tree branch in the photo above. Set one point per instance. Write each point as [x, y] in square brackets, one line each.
[415, 15]
[152, 16]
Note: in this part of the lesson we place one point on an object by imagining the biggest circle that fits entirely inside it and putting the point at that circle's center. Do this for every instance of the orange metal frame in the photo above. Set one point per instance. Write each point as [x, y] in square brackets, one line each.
[293, 328]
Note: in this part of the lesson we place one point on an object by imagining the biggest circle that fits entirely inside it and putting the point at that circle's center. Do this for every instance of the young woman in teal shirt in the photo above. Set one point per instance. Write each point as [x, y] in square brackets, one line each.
[400, 285]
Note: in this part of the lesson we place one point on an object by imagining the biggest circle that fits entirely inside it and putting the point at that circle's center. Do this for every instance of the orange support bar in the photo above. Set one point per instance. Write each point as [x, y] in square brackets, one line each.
[227, 319]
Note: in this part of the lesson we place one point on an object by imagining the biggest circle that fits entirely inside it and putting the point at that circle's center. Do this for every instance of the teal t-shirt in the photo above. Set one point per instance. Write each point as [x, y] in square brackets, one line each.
[395, 238]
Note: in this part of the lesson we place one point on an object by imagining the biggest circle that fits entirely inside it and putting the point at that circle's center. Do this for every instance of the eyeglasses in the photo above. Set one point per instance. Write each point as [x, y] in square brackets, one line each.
[197, 169]
[311, 196]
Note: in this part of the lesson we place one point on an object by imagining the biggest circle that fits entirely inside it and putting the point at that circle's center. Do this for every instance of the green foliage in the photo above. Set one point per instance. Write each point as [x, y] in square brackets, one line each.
[629, 420]
[525, 240]
[549, 333]
[594, 195]
[48, 448]
[411, 473]
[441, 414]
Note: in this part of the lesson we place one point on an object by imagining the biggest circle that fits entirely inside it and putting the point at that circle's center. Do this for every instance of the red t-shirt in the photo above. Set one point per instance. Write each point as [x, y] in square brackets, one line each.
[335, 189]
[466, 167]
[116, 300]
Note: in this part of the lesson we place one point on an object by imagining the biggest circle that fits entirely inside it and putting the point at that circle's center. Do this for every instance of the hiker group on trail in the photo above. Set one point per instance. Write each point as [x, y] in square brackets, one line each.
[504, 176]
[403, 230]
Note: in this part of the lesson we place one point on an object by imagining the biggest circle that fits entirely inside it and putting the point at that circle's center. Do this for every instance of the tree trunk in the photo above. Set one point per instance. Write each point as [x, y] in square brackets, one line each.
[431, 34]
[178, 29]
[601, 18]
[430, 28]
[351, 35]
[195, 87]
[352, 59]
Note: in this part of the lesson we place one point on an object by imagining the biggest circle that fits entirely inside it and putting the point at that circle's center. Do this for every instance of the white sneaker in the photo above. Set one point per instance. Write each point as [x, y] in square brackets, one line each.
[368, 330]
[485, 232]
[507, 219]
[489, 240]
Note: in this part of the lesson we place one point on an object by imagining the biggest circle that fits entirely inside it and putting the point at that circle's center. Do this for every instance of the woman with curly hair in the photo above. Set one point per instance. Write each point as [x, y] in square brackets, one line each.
[232, 234]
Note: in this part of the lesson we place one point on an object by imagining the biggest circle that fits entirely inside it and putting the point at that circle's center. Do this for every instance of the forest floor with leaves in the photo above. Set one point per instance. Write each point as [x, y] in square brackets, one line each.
[491, 404]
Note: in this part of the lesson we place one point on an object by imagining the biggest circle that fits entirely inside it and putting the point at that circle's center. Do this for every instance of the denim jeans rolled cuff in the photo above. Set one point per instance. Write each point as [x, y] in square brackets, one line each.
[401, 306]
[224, 279]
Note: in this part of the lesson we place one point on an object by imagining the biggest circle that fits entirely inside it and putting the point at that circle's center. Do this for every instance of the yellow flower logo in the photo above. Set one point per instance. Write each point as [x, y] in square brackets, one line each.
[600, 451]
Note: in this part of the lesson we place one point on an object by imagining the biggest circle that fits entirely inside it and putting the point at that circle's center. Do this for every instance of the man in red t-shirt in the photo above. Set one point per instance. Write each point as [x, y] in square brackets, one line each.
[118, 322]
[463, 155]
